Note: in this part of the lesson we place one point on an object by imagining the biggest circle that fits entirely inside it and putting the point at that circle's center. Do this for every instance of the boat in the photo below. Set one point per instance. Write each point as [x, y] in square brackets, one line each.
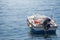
[41, 24]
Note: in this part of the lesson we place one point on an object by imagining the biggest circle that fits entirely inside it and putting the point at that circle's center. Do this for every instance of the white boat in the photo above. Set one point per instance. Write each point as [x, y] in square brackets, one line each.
[41, 24]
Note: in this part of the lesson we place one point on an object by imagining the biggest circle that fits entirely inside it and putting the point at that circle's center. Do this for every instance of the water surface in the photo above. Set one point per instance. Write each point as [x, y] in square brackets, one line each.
[13, 15]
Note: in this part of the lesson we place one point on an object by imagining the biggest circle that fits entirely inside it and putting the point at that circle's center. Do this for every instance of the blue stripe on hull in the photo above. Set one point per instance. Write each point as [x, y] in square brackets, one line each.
[51, 31]
[43, 32]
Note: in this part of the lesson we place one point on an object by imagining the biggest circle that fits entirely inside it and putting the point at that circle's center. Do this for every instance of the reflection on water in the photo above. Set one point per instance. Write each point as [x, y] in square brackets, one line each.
[13, 18]
[43, 36]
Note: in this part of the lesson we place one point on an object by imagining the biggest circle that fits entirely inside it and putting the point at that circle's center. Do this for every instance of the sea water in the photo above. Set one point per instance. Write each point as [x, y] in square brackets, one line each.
[14, 13]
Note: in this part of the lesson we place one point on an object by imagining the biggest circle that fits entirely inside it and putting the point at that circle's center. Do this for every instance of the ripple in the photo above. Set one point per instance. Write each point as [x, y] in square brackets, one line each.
[13, 18]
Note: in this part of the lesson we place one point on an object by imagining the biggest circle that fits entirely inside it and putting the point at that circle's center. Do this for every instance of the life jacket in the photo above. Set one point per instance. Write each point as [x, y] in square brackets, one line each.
[37, 21]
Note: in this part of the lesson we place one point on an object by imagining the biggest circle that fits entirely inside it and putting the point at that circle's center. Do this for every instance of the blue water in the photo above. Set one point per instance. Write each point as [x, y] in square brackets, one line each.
[13, 15]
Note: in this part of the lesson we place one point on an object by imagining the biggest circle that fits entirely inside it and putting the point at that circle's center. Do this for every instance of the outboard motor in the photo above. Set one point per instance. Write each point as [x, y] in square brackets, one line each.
[46, 23]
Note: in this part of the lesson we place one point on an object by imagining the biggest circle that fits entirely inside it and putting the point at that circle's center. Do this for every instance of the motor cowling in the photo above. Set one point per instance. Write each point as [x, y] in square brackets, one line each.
[46, 23]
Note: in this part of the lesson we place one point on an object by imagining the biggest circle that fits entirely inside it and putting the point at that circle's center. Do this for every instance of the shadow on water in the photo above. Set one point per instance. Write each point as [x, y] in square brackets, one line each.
[45, 36]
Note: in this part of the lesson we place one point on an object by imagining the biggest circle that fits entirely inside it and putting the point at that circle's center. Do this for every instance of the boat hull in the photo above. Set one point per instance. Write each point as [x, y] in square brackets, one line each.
[42, 31]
